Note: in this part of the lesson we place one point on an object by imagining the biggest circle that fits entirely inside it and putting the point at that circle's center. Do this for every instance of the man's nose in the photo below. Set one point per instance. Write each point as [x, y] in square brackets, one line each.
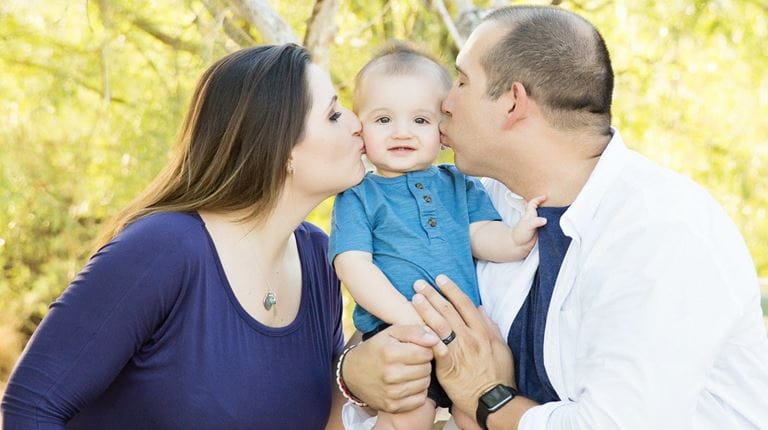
[447, 106]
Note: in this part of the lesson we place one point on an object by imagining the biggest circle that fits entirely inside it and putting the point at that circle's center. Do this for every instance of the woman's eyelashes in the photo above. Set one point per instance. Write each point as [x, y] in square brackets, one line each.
[335, 116]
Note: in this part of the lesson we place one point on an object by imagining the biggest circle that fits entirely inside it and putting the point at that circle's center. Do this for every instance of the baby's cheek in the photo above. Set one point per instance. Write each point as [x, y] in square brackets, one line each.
[371, 141]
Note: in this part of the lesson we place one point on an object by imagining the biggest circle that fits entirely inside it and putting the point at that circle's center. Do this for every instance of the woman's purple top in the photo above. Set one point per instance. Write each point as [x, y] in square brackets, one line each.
[150, 336]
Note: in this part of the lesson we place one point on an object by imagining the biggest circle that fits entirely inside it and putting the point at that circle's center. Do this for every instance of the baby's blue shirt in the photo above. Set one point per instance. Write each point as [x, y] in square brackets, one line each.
[416, 226]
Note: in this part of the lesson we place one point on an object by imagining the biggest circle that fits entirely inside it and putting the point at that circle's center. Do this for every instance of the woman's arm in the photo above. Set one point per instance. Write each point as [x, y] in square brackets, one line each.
[337, 399]
[495, 241]
[372, 290]
[93, 329]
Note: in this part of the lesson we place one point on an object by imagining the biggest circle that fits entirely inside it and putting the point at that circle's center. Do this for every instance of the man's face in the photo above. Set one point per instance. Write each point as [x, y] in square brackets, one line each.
[473, 122]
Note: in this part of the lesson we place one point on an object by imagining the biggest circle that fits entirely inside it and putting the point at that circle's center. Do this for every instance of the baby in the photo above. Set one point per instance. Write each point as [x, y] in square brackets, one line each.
[411, 220]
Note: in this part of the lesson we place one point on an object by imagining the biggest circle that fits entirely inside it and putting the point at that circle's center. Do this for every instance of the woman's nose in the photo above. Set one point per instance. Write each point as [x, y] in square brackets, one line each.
[357, 126]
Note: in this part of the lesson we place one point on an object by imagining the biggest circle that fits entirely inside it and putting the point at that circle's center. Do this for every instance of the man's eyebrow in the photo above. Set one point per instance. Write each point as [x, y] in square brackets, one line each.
[333, 101]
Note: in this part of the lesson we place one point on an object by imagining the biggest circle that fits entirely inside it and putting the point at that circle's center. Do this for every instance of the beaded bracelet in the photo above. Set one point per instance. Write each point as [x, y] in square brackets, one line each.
[340, 382]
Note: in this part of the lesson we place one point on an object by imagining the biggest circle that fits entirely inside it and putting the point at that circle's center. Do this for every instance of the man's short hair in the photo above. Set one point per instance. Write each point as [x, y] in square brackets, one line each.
[561, 60]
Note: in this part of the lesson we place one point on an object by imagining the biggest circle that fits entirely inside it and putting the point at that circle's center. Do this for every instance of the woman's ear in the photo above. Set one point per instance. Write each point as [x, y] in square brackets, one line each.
[516, 102]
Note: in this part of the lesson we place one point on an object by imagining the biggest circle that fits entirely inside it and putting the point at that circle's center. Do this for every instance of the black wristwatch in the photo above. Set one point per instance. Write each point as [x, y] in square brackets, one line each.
[492, 401]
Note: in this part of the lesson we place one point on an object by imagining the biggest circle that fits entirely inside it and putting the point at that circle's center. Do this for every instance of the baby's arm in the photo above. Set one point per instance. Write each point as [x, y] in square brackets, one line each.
[494, 241]
[372, 290]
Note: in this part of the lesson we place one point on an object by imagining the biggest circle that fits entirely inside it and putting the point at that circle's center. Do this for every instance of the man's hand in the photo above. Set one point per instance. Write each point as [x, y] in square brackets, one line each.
[478, 358]
[390, 371]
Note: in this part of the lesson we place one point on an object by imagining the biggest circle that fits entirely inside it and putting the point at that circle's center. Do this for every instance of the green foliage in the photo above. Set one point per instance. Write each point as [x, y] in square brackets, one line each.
[93, 95]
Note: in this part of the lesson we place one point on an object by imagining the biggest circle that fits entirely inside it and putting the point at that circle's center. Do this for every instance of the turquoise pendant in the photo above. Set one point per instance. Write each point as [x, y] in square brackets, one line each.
[270, 300]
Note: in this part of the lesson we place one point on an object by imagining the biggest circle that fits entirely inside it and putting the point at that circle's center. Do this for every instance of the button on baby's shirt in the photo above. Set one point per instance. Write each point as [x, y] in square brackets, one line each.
[432, 222]
[428, 199]
[419, 185]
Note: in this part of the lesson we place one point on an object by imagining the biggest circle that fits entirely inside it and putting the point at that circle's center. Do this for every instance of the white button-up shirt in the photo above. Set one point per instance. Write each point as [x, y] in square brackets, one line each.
[655, 319]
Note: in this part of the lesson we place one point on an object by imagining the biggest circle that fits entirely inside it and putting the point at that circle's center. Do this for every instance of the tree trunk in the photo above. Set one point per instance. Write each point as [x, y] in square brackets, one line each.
[262, 16]
[321, 29]
[235, 33]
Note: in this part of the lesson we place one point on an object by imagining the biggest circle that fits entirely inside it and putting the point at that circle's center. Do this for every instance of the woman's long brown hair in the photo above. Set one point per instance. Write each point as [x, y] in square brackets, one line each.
[247, 113]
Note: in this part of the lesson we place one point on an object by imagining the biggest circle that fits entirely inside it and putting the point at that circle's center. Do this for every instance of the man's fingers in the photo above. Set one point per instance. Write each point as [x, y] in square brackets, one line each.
[397, 391]
[408, 374]
[417, 334]
[405, 404]
[459, 301]
[408, 354]
[431, 316]
[493, 328]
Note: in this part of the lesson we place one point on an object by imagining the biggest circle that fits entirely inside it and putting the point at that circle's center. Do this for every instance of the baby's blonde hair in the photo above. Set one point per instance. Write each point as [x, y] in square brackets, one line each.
[400, 58]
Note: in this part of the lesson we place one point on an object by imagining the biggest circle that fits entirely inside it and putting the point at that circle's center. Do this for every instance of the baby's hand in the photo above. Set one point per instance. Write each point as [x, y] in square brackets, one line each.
[524, 233]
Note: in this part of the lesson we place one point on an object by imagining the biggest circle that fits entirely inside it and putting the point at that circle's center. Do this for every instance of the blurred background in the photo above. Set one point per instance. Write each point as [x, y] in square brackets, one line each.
[92, 93]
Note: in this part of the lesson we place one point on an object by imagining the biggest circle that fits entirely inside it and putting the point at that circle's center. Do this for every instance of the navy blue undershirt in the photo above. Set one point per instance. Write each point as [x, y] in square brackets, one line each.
[526, 336]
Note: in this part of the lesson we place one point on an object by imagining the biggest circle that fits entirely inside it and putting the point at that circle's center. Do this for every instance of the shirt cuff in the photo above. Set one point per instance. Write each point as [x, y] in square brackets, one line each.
[537, 417]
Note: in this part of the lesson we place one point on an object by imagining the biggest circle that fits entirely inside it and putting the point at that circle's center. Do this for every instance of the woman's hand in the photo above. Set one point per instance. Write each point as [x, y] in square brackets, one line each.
[478, 358]
[390, 371]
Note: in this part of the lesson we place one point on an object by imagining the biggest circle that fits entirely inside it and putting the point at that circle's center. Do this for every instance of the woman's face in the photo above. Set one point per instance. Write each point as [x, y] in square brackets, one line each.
[328, 159]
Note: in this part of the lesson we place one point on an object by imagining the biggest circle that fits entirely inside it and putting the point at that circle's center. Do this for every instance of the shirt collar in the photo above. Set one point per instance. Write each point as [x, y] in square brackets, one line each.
[425, 174]
[579, 216]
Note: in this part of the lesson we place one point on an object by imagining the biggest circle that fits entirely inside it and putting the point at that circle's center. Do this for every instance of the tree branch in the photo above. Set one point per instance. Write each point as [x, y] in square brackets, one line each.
[106, 20]
[235, 33]
[172, 41]
[469, 17]
[266, 20]
[458, 39]
[66, 76]
[321, 29]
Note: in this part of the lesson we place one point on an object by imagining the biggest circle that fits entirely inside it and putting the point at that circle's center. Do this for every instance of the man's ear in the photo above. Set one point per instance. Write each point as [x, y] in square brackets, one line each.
[516, 102]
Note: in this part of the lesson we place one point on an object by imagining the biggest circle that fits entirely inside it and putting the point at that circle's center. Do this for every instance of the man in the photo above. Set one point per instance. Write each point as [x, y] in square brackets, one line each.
[639, 308]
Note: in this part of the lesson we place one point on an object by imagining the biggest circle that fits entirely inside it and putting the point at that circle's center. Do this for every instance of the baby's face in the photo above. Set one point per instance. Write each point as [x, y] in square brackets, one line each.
[400, 117]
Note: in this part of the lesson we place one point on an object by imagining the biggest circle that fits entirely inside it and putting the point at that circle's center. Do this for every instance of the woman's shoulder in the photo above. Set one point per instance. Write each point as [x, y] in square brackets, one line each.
[311, 233]
[158, 248]
[171, 230]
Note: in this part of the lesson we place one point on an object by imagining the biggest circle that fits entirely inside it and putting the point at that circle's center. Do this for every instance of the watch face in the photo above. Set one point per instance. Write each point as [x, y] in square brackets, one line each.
[497, 397]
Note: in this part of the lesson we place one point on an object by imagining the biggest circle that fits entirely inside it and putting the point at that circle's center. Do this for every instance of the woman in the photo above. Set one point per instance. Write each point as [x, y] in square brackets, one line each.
[211, 305]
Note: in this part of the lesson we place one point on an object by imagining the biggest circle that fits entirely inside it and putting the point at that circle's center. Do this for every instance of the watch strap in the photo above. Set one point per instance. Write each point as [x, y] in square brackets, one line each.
[493, 400]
